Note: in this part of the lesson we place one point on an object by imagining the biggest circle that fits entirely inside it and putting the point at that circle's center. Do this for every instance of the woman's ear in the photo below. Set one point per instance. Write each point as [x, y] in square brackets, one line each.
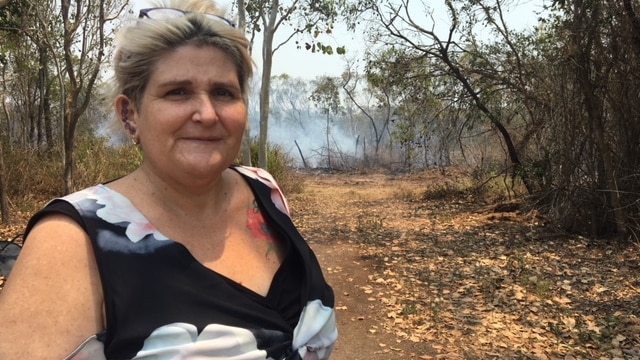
[125, 112]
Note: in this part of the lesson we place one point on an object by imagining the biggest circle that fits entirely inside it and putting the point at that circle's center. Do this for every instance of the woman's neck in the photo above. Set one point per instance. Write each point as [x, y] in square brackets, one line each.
[182, 200]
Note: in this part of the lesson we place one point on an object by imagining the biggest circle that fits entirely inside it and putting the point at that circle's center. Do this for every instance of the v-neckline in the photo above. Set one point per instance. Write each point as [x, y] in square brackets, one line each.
[131, 208]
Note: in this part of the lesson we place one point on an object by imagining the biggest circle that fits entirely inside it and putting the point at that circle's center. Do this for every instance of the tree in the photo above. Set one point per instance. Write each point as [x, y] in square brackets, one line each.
[63, 40]
[595, 163]
[12, 23]
[406, 82]
[84, 25]
[326, 95]
[378, 103]
[398, 28]
[268, 16]
[246, 138]
[290, 100]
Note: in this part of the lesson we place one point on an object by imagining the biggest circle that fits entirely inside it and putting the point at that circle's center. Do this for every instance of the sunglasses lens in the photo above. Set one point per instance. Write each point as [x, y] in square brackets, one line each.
[169, 13]
[220, 18]
[163, 14]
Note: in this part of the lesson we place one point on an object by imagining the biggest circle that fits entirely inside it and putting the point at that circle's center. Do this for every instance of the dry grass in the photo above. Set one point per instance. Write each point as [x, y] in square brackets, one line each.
[453, 278]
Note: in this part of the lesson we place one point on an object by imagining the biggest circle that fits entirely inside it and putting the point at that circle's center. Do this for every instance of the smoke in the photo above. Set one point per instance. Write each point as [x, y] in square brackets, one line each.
[310, 134]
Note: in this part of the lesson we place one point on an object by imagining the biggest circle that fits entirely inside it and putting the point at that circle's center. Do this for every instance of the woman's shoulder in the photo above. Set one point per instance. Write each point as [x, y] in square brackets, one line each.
[65, 208]
[264, 177]
[256, 173]
[91, 192]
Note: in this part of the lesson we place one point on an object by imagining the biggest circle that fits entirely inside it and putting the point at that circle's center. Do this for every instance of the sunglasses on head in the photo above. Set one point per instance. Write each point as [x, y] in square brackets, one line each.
[171, 13]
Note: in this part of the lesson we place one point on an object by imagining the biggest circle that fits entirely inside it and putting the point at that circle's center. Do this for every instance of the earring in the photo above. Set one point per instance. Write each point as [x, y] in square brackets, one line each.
[125, 110]
[131, 129]
[124, 115]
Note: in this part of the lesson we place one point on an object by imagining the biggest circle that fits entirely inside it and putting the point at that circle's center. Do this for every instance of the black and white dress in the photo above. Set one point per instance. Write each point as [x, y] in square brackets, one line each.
[161, 303]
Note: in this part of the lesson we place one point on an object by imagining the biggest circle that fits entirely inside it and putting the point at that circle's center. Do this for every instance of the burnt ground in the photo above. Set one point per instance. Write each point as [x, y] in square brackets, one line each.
[423, 271]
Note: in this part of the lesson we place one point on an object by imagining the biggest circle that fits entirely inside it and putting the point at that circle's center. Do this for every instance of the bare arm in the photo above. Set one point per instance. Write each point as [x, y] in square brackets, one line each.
[53, 299]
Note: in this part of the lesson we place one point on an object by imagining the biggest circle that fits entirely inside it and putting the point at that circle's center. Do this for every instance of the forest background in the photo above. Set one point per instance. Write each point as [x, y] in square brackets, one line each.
[548, 115]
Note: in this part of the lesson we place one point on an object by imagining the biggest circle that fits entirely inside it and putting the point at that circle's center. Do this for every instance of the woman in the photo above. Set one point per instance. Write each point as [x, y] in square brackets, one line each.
[188, 256]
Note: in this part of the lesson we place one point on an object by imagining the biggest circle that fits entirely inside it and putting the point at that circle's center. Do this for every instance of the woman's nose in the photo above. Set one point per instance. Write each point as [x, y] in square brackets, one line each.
[206, 110]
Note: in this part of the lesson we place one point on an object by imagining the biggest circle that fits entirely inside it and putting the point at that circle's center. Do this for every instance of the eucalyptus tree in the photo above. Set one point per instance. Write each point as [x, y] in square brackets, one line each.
[326, 96]
[406, 82]
[373, 101]
[290, 100]
[289, 19]
[396, 102]
[597, 52]
[400, 26]
[19, 88]
[19, 80]
[84, 40]
[563, 98]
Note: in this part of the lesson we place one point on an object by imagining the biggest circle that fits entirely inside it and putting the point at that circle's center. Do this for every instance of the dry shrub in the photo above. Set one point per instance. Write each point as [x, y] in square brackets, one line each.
[35, 176]
[446, 191]
[281, 165]
[99, 162]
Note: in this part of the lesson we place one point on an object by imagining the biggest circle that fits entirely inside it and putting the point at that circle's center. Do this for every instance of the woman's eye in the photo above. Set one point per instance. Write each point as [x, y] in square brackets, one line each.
[177, 92]
[223, 93]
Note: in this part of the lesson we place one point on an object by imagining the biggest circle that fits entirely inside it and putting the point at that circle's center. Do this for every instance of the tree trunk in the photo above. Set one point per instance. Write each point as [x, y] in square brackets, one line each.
[4, 202]
[304, 162]
[42, 85]
[246, 137]
[267, 60]
[586, 38]
[68, 139]
[328, 145]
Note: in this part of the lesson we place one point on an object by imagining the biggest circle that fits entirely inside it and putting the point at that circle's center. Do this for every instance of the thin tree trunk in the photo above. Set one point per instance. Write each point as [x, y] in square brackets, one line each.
[267, 61]
[4, 202]
[246, 137]
[304, 162]
[328, 145]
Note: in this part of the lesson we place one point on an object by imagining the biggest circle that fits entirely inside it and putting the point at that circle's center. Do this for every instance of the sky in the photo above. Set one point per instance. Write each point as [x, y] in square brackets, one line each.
[304, 64]
[292, 61]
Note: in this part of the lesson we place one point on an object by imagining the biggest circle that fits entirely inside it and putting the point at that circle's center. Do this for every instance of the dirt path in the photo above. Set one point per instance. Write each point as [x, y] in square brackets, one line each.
[422, 271]
[359, 314]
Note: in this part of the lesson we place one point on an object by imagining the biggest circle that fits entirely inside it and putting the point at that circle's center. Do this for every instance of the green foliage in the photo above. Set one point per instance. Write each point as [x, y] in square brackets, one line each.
[326, 95]
[322, 48]
[11, 16]
[402, 72]
[309, 18]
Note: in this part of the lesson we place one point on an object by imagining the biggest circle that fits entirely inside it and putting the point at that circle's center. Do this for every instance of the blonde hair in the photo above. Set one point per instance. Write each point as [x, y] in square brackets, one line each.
[141, 44]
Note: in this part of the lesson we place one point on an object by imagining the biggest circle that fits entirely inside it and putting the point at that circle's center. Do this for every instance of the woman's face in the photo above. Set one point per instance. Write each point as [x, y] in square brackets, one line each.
[192, 115]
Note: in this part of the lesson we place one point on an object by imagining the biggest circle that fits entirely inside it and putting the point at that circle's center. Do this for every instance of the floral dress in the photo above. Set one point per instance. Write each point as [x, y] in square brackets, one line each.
[161, 303]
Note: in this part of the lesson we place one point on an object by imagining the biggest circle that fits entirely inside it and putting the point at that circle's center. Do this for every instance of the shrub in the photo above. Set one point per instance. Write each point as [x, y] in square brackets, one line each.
[35, 176]
[280, 165]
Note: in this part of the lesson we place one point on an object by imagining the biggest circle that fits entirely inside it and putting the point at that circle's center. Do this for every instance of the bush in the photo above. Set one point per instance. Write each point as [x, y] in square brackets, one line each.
[280, 165]
[97, 161]
[35, 176]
